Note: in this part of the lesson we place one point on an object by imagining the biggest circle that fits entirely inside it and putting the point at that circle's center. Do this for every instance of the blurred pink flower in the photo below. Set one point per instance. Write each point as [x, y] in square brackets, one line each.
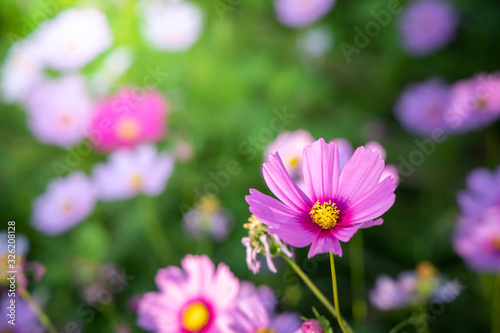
[73, 38]
[477, 240]
[422, 106]
[129, 118]
[474, 102]
[427, 26]
[20, 72]
[59, 111]
[197, 298]
[290, 145]
[483, 191]
[311, 326]
[299, 13]
[67, 202]
[338, 204]
[132, 172]
[173, 25]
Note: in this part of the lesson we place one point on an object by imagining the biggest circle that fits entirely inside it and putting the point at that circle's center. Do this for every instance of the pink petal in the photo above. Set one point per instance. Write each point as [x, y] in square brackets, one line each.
[325, 242]
[283, 187]
[321, 170]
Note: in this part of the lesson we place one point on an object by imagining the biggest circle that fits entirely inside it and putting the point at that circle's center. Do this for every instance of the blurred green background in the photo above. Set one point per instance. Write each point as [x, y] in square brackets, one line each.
[223, 92]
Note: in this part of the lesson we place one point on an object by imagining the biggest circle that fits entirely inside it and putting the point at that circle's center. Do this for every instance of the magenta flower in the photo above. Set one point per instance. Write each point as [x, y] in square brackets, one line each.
[474, 103]
[427, 26]
[290, 145]
[59, 110]
[299, 13]
[66, 203]
[129, 118]
[477, 240]
[338, 204]
[255, 312]
[143, 170]
[422, 106]
[311, 326]
[483, 191]
[198, 298]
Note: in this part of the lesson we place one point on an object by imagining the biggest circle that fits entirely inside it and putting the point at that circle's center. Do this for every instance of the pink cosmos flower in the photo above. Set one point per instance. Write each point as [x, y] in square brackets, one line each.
[131, 172]
[67, 202]
[483, 191]
[427, 26]
[59, 111]
[129, 118]
[73, 38]
[338, 204]
[474, 102]
[195, 299]
[299, 13]
[477, 240]
[290, 145]
[311, 326]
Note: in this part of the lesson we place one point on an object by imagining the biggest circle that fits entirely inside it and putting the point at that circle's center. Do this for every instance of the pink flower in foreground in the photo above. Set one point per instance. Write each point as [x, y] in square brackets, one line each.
[132, 172]
[59, 111]
[129, 118]
[195, 299]
[66, 203]
[338, 205]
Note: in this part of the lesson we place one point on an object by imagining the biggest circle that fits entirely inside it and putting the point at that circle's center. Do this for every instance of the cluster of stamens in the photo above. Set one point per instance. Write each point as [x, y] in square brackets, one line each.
[325, 214]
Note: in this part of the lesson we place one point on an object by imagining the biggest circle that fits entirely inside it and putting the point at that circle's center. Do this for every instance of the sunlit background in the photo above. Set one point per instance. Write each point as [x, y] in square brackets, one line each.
[132, 131]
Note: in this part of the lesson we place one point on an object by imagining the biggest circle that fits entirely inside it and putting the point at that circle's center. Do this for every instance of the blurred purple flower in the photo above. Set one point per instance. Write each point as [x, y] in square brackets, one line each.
[299, 13]
[338, 203]
[290, 145]
[422, 106]
[131, 172]
[197, 298]
[427, 26]
[413, 288]
[20, 72]
[73, 38]
[59, 111]
[67, 202]
[483, 191]
[208, 220]
[25, 318]
[477, 240]
[255, 312]
[474, 103]
[260, 241]
[173, 25]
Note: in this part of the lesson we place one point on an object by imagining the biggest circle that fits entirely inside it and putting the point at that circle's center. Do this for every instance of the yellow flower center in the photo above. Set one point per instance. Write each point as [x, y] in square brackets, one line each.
[265, 330]
[326, 214]
[137, 182]
[127, 129]
[496, 244]
[195, 317]
[482, 103]
[294, 161]
[209, 203]
[426, 271]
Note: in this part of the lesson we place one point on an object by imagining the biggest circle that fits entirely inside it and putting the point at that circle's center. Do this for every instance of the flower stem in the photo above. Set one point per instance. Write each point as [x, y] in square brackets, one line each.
[155, 232]
[357, 267]
[42, 317]
[399, 326]
[335, 294]
[313, 288]
[495, 309]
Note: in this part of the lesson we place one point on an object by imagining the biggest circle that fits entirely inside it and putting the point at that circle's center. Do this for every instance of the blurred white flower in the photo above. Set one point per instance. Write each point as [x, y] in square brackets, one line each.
[172, 26]
[132, 172]
[21, 71]
[315, 43]
[113, 67]
[73, 38]
[59, 110]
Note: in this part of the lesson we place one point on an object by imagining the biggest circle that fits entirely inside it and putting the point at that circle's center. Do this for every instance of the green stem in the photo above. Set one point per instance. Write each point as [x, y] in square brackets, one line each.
[42, 317]
[155, 232]
[357, 266]
[335, 293]
[399, 326]
[313, 287]
[495, 309]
